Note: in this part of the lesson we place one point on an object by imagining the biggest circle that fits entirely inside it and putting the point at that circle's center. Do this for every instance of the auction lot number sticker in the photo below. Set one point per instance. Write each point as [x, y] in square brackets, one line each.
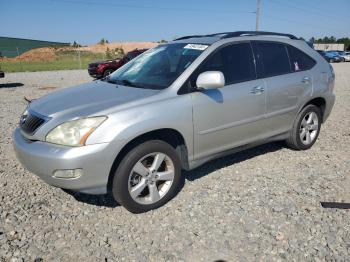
[196, 46]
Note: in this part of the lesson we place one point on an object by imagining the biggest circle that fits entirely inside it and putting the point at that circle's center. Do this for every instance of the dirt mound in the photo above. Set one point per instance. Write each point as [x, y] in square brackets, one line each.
[38, 54]
[127, 46]
[50, 53]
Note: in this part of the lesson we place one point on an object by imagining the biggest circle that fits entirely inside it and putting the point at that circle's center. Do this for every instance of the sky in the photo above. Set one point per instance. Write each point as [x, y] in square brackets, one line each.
[87, 21]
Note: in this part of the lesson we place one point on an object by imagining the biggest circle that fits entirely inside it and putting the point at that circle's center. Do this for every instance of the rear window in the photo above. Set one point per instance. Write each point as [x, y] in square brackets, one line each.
[272, 59]
[299, 61]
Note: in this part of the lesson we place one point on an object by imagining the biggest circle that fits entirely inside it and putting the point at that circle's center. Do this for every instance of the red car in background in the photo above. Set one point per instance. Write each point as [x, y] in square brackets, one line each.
[102, 69]
[2, 74]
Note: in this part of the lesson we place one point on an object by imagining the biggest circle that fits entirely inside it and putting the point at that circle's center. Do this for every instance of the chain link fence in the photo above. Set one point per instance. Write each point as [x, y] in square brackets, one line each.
[51, 58]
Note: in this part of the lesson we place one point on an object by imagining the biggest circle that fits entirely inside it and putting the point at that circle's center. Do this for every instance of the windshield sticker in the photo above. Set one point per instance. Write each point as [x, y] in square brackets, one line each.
[196, 47]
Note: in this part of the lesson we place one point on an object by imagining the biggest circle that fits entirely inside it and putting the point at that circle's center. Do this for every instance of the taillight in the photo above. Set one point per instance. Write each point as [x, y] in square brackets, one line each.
[332, 70]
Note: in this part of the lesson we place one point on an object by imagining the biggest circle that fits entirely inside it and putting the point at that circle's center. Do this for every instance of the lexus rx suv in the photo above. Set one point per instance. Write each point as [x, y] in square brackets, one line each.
[173, 108]
[102, 69]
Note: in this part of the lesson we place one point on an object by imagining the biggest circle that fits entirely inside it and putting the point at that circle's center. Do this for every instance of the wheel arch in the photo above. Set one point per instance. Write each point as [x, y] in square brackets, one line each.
[320, 102]
[168, 135]
[107, 68]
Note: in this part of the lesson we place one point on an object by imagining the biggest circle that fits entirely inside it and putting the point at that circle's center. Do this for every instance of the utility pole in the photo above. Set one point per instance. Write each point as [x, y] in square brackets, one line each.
[20, 62]
[79, 58]
[257, 15]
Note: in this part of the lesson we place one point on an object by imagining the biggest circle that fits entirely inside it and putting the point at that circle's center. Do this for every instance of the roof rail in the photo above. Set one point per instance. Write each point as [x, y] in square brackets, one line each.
[195, 36]
[237, 34]
[253, 33]
[187, 37]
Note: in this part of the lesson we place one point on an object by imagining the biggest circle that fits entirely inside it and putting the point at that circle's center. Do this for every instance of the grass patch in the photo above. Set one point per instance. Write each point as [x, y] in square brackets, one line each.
[65, 60]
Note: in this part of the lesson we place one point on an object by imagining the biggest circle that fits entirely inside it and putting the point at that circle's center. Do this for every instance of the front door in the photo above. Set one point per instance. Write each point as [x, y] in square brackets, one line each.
[234, 114]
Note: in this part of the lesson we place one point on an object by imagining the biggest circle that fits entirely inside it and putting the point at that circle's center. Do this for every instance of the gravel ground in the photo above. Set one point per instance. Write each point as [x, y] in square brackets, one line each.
[260, 204]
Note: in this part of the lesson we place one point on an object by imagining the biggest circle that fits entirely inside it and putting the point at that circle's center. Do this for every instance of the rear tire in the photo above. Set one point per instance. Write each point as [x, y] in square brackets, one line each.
[147, 177]
[306, 128]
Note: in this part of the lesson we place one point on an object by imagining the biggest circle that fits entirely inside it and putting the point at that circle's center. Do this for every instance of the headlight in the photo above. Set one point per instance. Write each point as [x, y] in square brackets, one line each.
[23, 116]
[74, 133]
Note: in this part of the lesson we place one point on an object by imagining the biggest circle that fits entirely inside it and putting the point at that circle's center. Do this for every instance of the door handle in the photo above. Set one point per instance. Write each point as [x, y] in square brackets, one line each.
[306, 80]
[257, 90]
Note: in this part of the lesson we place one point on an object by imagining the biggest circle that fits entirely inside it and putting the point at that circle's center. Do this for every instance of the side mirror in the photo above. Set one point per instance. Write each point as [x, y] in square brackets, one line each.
[211, 80]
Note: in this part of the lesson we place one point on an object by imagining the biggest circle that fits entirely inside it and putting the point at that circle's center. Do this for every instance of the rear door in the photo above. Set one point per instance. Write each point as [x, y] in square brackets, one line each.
[285, 82]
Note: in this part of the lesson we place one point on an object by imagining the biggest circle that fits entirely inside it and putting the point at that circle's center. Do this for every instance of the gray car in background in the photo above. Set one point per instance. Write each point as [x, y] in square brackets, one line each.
[176, 107]
[344, 55]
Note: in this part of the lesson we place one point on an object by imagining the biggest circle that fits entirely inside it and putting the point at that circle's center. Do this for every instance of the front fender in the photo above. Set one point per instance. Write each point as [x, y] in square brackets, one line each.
[122, 127]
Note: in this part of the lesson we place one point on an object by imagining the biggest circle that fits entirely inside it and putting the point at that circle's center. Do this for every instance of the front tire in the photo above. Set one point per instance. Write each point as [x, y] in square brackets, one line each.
[306, 128]
[147, 177]
[107, 73]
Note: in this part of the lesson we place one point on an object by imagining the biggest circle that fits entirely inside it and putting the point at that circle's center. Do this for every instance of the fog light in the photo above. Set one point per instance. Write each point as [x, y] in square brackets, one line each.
[68, 173]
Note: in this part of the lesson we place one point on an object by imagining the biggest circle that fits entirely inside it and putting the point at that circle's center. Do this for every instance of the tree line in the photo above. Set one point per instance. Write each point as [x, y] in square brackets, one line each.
[332, 40]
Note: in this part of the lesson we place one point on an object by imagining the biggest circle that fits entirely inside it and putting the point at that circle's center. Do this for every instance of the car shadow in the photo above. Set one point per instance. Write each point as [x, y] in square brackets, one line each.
[214, 94]
[11, 85]
[107, 200]
[232, 159]
[337, 205]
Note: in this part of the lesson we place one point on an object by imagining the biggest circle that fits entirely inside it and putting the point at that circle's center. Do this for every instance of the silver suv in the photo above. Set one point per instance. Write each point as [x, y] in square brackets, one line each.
[176, 107]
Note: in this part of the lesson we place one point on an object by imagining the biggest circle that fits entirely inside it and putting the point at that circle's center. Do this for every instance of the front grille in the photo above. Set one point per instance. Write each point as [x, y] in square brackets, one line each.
[30, 123]
[92, 65]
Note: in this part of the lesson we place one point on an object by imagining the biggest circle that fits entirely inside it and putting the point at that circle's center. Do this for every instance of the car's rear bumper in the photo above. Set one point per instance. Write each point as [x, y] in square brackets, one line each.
[329, 106]
[43, 159]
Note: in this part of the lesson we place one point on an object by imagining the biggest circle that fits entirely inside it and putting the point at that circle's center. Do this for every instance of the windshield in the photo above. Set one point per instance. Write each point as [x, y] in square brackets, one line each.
[159, 67]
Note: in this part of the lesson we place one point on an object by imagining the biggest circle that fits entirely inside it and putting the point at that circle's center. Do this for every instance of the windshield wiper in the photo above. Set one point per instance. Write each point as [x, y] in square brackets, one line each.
[119, 81]
[128, 83]
[107, 79]
[110, 81]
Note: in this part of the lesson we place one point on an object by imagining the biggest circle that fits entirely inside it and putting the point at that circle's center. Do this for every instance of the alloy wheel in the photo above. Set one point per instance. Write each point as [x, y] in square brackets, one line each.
[309, 128]
[151, 178]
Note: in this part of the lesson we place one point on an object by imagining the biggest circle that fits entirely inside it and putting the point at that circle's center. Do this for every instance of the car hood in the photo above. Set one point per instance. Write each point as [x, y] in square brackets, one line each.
[332, 55]
[88, 99]
[105, 62]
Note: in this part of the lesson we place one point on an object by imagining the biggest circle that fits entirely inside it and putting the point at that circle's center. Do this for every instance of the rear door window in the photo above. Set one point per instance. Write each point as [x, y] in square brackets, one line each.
[299, 61]
[272, 59]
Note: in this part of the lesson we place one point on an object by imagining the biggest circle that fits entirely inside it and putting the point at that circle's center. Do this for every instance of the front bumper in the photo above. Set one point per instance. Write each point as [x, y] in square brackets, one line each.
[43, 159]
[336, 59]
[94, 72]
